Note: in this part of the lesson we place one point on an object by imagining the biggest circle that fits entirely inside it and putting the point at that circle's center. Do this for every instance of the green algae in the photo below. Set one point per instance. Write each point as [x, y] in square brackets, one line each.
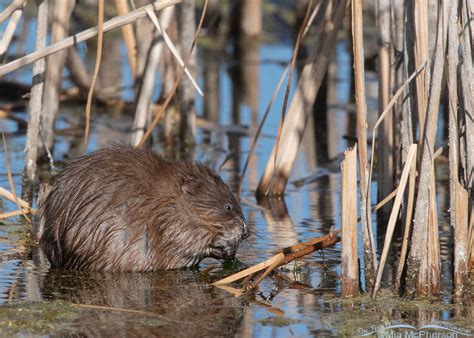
[37, 318]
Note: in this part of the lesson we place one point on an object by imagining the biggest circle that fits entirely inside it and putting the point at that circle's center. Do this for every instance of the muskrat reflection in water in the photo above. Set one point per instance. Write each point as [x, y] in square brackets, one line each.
[128, 209]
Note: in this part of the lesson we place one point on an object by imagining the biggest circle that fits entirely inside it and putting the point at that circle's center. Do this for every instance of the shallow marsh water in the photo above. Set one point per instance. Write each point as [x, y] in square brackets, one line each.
[37, 301]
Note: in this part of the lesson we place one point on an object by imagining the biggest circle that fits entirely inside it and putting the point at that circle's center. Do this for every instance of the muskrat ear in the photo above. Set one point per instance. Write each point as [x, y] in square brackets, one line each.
[191, 186]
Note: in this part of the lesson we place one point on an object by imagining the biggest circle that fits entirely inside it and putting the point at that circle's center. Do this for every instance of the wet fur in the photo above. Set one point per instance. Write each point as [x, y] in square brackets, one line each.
[127, 209]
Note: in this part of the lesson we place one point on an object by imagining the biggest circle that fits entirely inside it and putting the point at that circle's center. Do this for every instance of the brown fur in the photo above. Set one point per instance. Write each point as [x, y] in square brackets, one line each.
[127, 209]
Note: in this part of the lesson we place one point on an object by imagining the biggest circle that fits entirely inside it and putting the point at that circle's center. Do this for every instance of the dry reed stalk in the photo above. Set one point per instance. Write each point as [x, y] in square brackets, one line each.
[172, 48]
[407, 226]
[250, 271]
[147, 84]
[461, 239]
[84, 36]
[370, 261]
[185, 92]
[467, 87]
[420, 10]
[16, 199]
[387, 110]
[382, 116]
[288, 85]
[269, 106]
[11, 8]
[302, 102]
[390, 196]
[349, 261]
[9, 31]
[36, 97]
[470, 260]
[394, 215]
[98, 58]
[434, 258]
[22, 204]
[285, 256]
[423, 264]
[459, 199]
[128, 37]
[403, 134]
[385, 149]
[15, 213]
[179, 76]
[61, 15]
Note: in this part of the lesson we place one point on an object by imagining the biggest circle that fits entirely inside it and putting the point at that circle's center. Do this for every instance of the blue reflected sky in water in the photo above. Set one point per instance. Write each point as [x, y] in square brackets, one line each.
[308, 218]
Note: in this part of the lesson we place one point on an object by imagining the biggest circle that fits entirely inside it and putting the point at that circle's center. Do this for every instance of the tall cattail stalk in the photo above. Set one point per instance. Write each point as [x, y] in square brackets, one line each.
[424, 265]
[36, 97]
[61, 19]
[370, 261]
[349, 262]
[186, 91]
[147, 84]
[459, 199]
[128, 37]
[385, 168]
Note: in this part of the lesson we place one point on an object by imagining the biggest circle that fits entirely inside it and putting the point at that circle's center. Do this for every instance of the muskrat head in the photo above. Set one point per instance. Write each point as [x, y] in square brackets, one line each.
[214, 210]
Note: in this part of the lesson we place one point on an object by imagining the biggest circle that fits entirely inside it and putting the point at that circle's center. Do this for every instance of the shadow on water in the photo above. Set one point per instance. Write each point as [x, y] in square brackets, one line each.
[302, 301]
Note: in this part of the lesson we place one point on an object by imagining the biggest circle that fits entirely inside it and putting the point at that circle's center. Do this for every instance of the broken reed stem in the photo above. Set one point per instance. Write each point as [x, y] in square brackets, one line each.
[270, 104]
[288, 86]
[370, 259]
[176, 82]
[12, 7]
[13, 214]
[83, 36]
[423, 265]
[328, 23]
[36, 97]
[349, 261]
[98, 58]
[9, 31]
[128, 37]
[22, 203]
[285, 256]
[394, 216]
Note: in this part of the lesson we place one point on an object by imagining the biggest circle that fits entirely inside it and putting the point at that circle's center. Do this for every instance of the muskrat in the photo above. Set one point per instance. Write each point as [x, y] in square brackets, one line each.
[128, 209]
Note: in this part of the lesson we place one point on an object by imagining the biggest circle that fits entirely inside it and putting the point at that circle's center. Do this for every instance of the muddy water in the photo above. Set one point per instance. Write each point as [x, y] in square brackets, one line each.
[304, 301]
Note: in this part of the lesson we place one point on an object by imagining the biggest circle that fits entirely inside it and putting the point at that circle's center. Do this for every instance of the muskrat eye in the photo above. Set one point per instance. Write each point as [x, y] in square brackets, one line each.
[228, 207]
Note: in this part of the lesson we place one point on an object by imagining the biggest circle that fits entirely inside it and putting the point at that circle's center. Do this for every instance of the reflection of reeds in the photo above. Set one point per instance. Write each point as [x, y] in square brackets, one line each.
[275, 178]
